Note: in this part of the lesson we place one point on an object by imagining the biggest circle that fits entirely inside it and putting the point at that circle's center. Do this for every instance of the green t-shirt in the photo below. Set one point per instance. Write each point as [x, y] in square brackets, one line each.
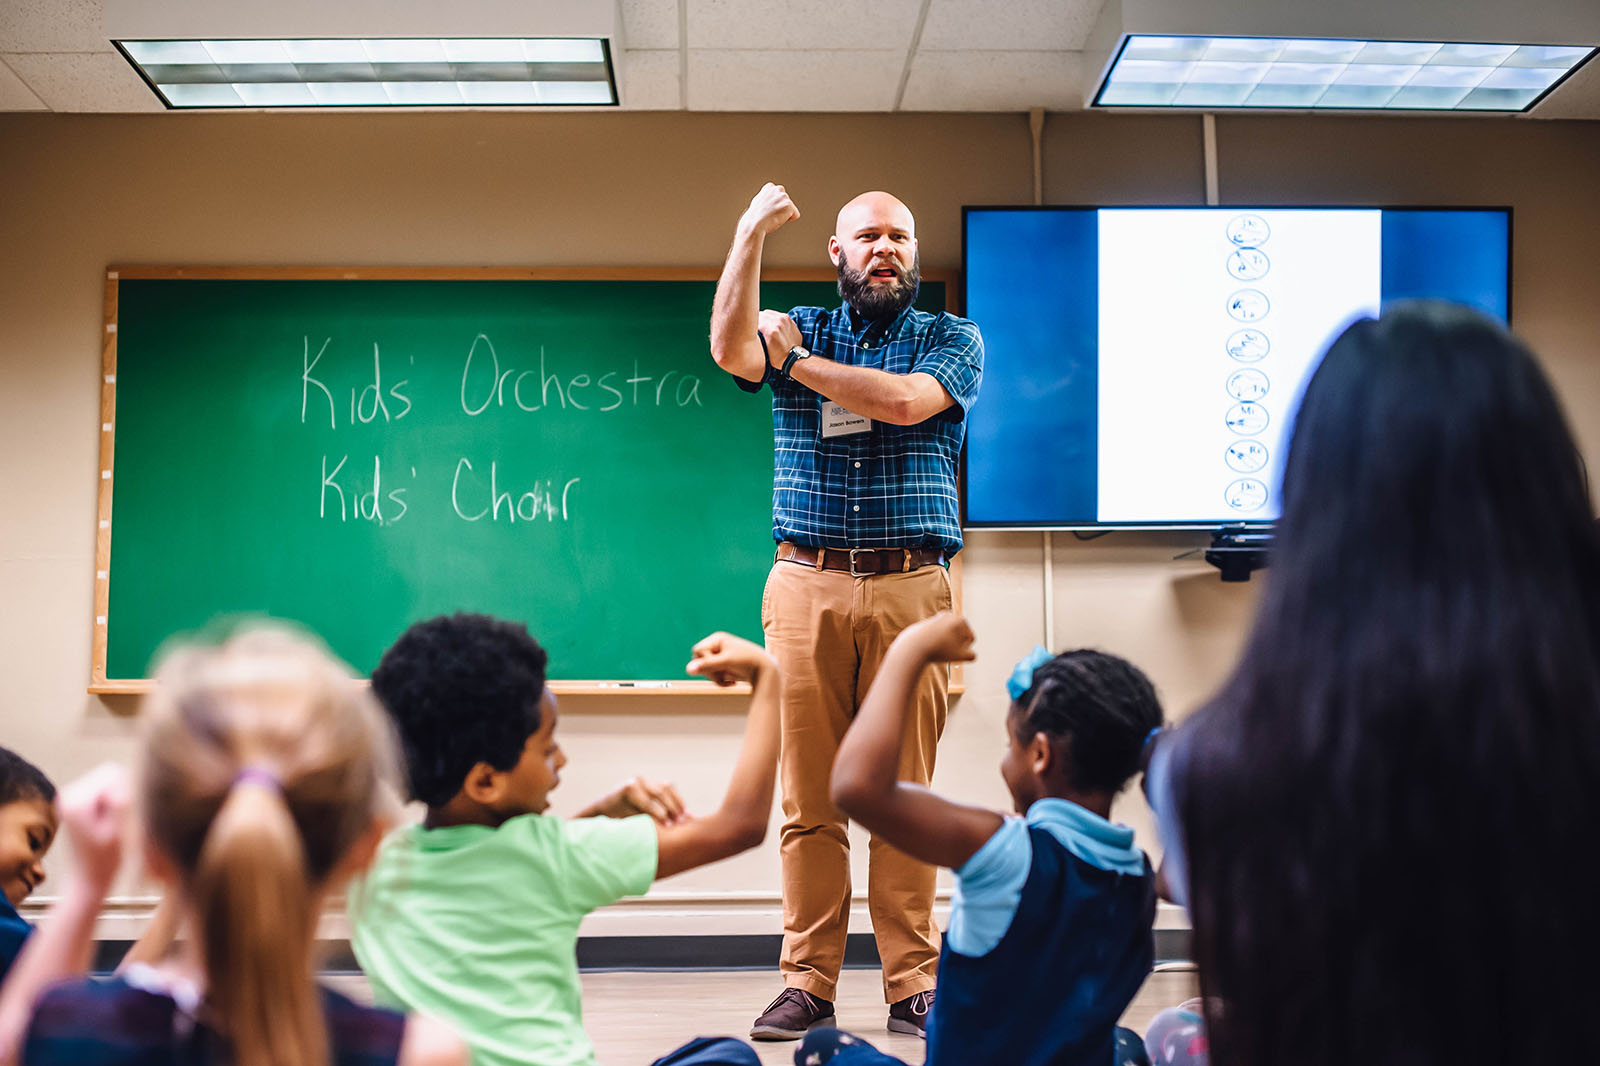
[479, 926]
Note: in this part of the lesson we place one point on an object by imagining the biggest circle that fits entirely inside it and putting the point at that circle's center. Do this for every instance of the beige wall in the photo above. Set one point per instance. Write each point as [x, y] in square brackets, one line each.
[80, 192]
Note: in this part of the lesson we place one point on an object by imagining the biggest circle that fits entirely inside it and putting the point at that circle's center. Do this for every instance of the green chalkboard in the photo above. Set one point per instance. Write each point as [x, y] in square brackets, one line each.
[359, 454]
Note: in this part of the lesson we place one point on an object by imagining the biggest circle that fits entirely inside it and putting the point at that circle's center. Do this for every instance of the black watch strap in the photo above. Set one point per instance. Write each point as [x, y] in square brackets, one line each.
[796, 354]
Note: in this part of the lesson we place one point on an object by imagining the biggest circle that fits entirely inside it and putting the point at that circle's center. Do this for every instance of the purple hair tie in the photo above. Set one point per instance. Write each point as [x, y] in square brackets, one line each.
[258, 775]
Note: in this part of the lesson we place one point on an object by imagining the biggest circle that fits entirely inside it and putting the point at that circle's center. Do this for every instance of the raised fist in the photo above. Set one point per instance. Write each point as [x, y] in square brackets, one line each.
[769, 209]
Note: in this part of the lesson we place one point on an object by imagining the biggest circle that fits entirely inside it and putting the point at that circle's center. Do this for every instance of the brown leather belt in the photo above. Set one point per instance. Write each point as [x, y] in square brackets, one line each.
[861, 562]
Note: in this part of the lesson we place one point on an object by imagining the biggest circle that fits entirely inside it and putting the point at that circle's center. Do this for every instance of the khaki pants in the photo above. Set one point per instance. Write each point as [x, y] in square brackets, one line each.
[829, 632]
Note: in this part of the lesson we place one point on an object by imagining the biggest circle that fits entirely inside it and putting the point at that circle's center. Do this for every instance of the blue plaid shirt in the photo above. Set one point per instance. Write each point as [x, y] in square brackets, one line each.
[891, 487]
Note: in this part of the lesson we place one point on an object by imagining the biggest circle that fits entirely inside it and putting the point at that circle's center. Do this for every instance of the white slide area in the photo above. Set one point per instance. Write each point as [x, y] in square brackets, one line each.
[1210, 322]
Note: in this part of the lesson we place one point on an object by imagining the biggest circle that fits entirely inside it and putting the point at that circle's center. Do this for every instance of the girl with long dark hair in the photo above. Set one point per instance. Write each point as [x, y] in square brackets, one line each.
[1383, 823]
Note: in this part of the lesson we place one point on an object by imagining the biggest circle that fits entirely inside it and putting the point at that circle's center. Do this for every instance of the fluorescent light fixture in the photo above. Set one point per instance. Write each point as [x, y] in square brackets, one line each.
[388, 72]
[270, 94]
[1308, 73]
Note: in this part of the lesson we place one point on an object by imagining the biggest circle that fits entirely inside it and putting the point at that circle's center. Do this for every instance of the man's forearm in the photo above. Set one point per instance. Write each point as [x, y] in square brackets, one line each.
[899, 399]
[735, 310]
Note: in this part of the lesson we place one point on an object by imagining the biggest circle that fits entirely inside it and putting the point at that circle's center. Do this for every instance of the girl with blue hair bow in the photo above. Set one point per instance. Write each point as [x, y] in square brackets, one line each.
[1050, 926]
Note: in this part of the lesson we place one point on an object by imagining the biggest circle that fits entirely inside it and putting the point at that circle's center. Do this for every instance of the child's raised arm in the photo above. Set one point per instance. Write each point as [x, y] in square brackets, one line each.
[866, 772]
[741, 822]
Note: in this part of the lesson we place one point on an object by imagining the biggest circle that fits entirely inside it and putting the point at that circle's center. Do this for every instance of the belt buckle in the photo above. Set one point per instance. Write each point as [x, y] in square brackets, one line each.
[853, 571]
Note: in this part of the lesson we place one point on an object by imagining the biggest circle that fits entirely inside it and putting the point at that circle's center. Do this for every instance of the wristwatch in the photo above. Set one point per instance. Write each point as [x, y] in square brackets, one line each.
[796, 354]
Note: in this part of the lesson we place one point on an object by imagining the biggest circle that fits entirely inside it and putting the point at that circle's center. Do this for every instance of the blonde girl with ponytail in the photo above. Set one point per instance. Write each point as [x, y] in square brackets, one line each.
[266, 779]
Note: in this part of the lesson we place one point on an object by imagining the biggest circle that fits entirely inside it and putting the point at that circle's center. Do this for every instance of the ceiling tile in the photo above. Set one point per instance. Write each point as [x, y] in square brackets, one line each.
[1021, 25]
[85, 81]
[994, 81]
[14, 95]
[1577, 97]
[649, 24]
[886, 25]
[792, 81]
[649, 80]
[52, 26]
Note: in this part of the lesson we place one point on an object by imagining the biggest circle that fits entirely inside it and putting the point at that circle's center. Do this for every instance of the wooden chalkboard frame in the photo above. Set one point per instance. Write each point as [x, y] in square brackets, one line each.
[99, 684]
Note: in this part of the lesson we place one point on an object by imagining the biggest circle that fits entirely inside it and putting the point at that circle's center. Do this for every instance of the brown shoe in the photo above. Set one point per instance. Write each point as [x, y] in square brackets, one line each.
[910, 1015]
[790, 1015]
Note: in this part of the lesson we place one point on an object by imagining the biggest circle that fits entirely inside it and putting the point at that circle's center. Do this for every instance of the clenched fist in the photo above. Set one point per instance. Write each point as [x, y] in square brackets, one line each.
[769, 209]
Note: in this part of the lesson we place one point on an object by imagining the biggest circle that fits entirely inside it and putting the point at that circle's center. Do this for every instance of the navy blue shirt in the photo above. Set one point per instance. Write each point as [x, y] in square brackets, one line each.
[13, 933]
[893, 486]
[1077, 948]
[111, 1022]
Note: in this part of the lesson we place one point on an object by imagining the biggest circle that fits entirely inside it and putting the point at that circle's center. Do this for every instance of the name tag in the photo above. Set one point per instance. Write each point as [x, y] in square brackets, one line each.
[839, 421]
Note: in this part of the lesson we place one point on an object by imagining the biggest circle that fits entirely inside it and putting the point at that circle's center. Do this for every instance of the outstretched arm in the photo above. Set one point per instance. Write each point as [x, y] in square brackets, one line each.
[93, 810]
[734, 344]
[866, 772]
[741, 822]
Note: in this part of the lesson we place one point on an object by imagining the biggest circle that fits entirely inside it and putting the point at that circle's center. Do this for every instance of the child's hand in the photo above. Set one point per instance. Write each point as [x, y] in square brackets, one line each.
[639, 796]
[727, 659]
[94, 811]
[944, 638]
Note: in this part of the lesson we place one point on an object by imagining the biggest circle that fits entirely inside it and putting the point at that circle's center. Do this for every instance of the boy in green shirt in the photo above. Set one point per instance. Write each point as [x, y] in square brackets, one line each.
[472, 916]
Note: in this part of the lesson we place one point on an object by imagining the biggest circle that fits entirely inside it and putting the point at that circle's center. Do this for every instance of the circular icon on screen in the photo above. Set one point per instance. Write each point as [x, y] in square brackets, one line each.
[1246, 456]
[1250, 384]
[1249, 231]
[1247, 419]
[1249, 305]
[1249, 345]
[1246, 494]
[1248, 264]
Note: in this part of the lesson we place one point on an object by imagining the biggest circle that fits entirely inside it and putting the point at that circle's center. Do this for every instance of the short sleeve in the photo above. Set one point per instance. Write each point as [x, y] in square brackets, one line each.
[988, 889]
[954, 361]
[608, 858]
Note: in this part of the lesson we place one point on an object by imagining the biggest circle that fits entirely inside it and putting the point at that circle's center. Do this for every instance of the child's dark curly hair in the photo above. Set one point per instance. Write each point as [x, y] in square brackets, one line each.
[462, 689]
[21, 780]
[1102, 706]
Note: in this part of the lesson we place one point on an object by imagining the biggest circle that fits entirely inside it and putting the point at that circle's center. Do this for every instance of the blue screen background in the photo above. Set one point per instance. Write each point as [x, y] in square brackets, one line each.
[1032, 287]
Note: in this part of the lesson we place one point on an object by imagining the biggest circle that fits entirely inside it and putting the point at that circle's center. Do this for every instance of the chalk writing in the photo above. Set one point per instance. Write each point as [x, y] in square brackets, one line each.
[484, 385]
[367, 403]
[544, 500]
[372, 505]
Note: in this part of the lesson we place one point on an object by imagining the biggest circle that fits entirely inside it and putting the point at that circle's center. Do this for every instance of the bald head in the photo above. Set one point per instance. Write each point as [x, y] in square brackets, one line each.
[876, 210]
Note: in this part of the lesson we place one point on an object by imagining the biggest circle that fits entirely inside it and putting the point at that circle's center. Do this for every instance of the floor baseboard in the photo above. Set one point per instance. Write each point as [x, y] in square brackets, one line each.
[749, 951]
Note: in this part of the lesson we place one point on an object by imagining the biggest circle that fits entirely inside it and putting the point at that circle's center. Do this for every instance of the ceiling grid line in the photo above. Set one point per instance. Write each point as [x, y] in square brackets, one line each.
[25, 86]
[683, 55]
[911, 55]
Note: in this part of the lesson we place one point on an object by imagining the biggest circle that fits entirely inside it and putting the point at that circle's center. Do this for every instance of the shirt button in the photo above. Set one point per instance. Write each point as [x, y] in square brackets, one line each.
[858, 464]
[866, 344]
[857, 507]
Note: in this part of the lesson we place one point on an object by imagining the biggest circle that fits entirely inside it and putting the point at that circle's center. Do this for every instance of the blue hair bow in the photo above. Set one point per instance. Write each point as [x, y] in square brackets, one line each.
[1021, 679]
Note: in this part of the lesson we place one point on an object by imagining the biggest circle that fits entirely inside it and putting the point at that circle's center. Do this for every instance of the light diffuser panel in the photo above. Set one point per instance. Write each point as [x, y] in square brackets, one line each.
[1274, 72]
[378, 72]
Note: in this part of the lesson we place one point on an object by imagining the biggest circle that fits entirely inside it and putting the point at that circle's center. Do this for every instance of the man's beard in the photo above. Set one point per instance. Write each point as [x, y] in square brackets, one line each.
[876, 302]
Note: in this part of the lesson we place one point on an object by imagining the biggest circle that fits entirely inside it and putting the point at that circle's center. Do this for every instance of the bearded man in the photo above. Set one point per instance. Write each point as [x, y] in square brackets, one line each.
[869, 403]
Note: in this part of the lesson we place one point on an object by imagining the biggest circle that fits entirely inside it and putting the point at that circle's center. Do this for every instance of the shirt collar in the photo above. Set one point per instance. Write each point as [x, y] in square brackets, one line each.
[1087, 835]
[860, 326]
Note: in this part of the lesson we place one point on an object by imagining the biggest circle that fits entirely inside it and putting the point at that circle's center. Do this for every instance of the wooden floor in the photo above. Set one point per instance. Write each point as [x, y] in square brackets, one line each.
[634, 1018]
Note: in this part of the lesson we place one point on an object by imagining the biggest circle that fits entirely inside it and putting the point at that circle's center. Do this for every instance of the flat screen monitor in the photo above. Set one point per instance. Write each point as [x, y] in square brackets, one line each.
[1143, 365]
